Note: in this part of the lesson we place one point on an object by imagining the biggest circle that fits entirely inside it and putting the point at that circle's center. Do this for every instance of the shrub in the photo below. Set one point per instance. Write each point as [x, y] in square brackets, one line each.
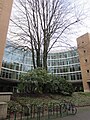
[40, 81]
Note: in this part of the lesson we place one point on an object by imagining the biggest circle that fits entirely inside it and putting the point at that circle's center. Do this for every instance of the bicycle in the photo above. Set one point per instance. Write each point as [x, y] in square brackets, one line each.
[68, 108]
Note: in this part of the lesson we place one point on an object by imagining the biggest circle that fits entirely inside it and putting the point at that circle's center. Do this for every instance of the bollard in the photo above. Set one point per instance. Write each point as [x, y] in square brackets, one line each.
[21, 113]
[27, 113]
[38, 112]
[31, 110]
[49, 111]
[60, 112]
[15, 115]
[53, 108]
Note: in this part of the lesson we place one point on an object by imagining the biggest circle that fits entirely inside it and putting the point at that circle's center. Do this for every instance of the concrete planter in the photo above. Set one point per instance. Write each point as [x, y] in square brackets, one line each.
[4, 98]
[3, 110]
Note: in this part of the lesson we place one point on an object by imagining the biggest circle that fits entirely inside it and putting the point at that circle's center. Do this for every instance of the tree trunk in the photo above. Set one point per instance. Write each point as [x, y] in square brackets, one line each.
[45, 55]
[38, 58]
[33, 59]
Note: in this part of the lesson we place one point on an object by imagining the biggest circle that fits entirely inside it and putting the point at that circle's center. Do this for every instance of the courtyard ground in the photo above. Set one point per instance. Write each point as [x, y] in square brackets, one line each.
[82, 114]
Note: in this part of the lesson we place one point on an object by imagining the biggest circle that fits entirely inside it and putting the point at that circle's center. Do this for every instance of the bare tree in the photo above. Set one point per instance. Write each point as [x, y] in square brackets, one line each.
[40, 24]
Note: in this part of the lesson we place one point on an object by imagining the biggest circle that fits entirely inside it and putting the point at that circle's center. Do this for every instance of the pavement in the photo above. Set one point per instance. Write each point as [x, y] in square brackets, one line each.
[83, 113]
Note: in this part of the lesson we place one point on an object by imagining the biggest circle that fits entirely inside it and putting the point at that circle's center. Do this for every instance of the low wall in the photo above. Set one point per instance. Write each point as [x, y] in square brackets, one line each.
[3, 110]
[4, 98]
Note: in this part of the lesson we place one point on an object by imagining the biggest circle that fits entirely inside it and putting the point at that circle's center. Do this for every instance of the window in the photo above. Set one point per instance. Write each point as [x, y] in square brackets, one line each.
[48, 63]
[11, 66]
[85, 60]
[65, 55]
[57, 70]
[72, 68]
[48, 56]
[73, 77]
[87, 71]
[77, 68]
[79, 76]
[16, 66]
[54, 70]
[61, 70]
[84, 51]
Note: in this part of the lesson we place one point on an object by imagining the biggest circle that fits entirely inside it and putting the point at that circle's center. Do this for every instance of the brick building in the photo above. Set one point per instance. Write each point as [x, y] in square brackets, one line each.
[5, 11]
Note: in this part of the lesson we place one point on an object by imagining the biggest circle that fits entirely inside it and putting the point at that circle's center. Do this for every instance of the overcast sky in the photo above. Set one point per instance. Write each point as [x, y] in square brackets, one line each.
[84, 27]
[84, 5]
[86, 22]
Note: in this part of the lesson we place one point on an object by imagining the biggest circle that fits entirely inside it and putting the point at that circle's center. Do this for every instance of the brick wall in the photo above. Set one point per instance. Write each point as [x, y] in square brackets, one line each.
[5, 11]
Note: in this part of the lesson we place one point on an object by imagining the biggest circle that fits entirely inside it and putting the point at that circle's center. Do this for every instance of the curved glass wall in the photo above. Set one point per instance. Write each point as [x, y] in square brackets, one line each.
[65, 64]
[15, 61]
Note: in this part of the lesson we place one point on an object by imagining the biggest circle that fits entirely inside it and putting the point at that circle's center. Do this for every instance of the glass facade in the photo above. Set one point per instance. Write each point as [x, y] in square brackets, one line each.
[15, 61]
[64, 64]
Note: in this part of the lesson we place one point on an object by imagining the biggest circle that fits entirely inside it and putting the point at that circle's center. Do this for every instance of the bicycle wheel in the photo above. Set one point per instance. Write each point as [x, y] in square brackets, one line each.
[74, 110]
[64, 111]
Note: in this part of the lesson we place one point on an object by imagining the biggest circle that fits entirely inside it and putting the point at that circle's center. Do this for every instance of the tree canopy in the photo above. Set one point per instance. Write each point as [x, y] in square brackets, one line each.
[40, 25]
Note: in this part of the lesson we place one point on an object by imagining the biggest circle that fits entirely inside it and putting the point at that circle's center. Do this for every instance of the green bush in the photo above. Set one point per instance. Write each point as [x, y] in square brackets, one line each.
[40, 81]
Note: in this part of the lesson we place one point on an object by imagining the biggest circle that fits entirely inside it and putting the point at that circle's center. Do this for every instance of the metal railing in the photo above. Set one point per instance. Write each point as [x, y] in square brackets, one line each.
[41, 112]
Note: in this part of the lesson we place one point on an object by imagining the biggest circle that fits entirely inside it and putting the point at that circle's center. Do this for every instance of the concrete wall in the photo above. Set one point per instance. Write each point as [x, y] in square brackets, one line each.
[3, 110]
[5, 11]
[83, 44]
[4, 98]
